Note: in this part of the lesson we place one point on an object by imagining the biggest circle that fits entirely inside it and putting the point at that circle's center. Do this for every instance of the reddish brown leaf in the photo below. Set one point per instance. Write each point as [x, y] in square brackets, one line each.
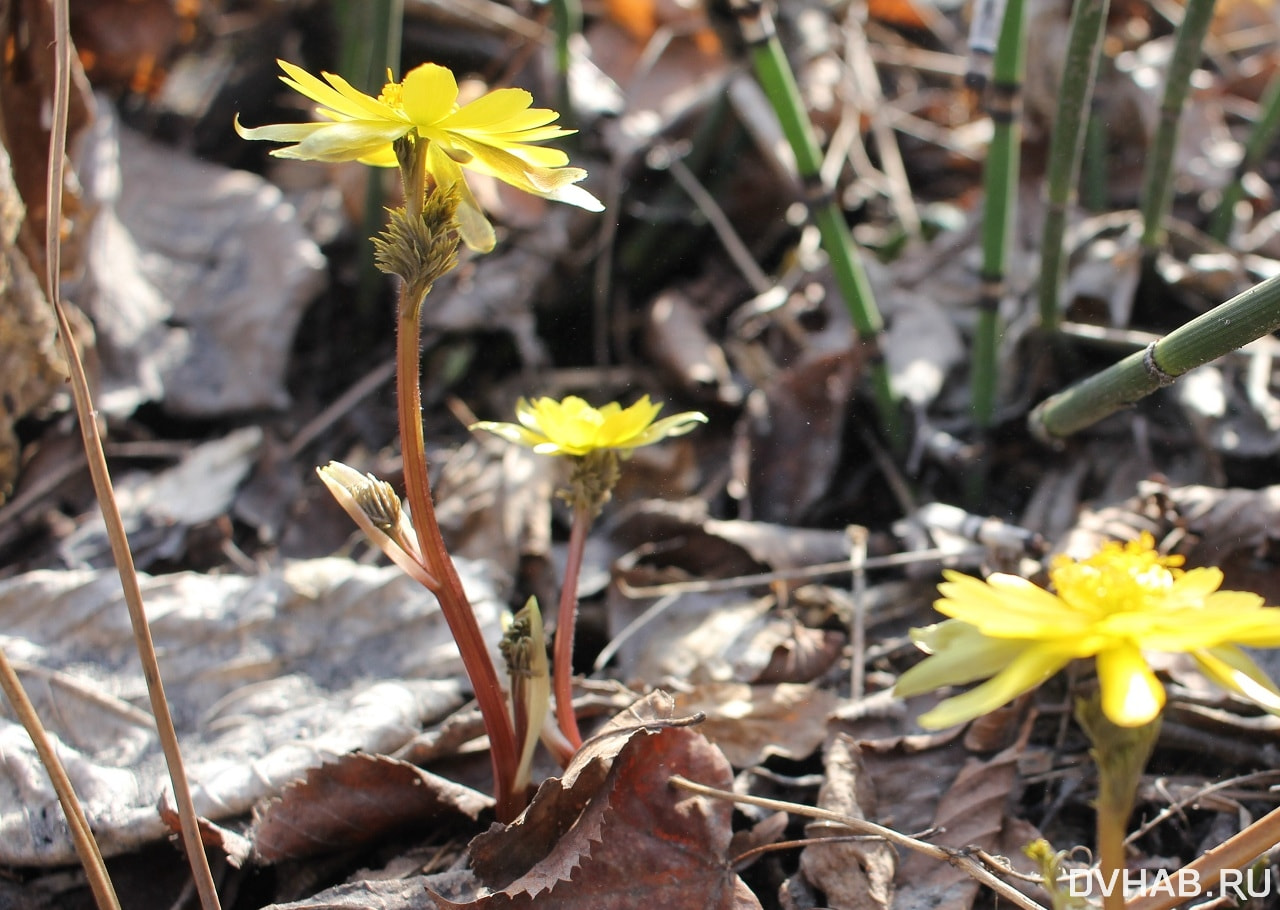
[640, 842]
[502, 855]
[355, 800]
[28, 67]
[125, 43]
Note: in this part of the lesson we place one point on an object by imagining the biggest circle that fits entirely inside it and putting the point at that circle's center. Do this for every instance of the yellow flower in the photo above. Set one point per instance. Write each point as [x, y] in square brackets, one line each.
[573, 427]
[491, 135]
[1113, 606]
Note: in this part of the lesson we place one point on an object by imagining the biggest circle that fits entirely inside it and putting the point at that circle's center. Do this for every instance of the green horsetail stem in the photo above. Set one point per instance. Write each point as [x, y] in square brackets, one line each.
[566, 20]
[1094, 191]
[1066, 148]
[370, 40]
[1001, 184]
[1157, 188]
[1255, 151]
[779, 83]
[1220, 331]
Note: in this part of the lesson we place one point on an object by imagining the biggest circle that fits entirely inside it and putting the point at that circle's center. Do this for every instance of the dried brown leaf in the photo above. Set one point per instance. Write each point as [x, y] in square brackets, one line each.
[503, 854]
[970, 813]
[125, 43]
[798, 654]
[356, 800]
[640, 842]
[750, 723]
[854, 875]
[795, 446]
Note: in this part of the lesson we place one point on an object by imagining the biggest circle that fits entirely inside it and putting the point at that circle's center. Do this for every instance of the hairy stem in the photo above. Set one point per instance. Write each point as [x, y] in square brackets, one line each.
[453, 600]
[562, 656]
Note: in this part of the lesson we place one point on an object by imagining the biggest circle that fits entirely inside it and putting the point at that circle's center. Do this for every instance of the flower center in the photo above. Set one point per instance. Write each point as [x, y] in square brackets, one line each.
[392, 95]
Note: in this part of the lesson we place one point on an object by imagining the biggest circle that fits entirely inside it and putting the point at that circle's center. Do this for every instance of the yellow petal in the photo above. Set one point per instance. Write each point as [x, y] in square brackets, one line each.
[960, 655]
[1029, 669]
[345, 142]
[516, 131]
[354, 104]
[1224, 618]
[1006, 606]
[676, 425]
[621, 426]
[1235, 671]
[491, 112]
[532, 155]
[383, 157]
[1131, 694]
[527, 413]
[278, 132]
[508, 431]
[430, 92]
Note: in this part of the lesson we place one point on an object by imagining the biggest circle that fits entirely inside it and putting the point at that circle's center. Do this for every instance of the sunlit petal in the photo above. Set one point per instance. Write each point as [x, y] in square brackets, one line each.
[675, 425]
[1031, 667]
[1236, 671]
[960, 655]
[430, 92]
[502, 109]
[1006, 606]
[342, 142]
[355, 105]
[1131, 694]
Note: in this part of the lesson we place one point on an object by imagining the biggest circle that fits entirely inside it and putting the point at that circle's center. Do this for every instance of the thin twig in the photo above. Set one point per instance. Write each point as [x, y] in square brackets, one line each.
[960, 858]
[363, 387]
[87, 417]
[95, 869]
[858, 622]
[1235, 852]
[819, 570]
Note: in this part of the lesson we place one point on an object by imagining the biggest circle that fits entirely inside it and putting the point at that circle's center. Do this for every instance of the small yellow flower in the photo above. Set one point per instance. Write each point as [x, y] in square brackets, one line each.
[573, 427]
[491, 135]
[1123, 600]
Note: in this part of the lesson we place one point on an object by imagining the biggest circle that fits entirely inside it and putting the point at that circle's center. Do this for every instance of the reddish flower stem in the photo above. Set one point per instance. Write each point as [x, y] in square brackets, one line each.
[566, 619]
[456, 607]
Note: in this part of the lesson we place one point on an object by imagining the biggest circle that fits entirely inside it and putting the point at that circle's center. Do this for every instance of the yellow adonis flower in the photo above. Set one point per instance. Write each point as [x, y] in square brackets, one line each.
[491, 135]
[573, 427]
[1113, 606]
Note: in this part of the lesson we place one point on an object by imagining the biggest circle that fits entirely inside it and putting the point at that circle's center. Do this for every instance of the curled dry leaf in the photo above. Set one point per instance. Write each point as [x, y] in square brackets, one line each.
[637, 841]
[353, 801]
[854, 875]
[267, 677]
[195, 275]
[798, 654]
